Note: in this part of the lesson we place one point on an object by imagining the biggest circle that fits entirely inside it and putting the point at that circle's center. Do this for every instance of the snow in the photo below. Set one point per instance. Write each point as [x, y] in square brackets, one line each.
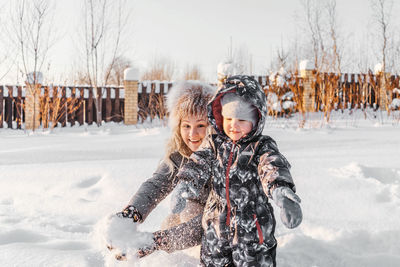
[58, 189]
[395, 103]
[121, 237]
[33, 77]
[131, 74]
[225, 69]
[306, 65]
[378, 68]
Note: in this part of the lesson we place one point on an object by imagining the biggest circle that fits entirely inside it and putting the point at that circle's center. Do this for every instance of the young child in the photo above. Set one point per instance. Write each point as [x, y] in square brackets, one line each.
[246, 170]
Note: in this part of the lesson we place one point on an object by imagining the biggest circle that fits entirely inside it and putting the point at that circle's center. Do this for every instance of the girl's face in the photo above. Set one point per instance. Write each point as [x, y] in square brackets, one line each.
[236, 128]
[193, 130]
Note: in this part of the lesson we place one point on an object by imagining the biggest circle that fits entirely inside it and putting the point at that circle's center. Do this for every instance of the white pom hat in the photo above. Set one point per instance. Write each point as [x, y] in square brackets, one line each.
[234, 106]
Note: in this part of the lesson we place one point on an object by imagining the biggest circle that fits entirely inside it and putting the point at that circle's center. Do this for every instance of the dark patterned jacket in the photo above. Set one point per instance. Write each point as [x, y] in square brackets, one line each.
[160, 185]
[243, 173]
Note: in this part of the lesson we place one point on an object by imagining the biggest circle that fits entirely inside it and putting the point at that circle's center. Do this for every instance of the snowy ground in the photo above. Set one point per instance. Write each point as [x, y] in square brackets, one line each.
[55, 187]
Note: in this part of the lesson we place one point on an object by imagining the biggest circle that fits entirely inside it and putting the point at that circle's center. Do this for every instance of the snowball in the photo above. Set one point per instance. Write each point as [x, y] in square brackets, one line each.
[121, 234]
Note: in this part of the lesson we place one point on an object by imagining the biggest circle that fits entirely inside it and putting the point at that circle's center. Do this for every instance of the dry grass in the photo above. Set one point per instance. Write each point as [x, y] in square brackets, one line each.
[56, 107]
[345, 92]
[151, 105]
[160, 70]
[192, 73]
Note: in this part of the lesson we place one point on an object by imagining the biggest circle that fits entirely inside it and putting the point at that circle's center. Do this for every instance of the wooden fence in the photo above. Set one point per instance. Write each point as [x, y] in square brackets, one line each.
[354, 90]
[345, 91]
[62, 105]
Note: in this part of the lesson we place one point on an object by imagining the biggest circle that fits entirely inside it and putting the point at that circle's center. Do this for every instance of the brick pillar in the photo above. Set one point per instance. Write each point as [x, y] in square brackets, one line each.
[306, 72]
[131, 81]
[384, 93]
[32, 100]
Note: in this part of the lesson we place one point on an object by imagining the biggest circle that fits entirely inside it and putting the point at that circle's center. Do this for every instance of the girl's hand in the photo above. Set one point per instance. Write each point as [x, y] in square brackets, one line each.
[159, 242]
[130, 212]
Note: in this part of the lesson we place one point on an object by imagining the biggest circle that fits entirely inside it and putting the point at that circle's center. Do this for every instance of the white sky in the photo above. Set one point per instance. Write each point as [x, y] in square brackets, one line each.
[191, 31]
[199, 32]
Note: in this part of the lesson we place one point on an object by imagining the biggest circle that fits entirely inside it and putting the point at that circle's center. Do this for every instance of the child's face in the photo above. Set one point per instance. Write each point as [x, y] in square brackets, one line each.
[193, 130]
[236, 128]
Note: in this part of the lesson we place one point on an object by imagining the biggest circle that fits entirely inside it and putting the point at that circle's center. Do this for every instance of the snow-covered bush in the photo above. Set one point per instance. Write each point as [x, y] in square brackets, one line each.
[279, 97]
[395, 104]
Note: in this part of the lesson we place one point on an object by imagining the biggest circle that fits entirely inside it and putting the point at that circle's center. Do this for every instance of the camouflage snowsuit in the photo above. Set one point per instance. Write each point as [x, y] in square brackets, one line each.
[238, 219]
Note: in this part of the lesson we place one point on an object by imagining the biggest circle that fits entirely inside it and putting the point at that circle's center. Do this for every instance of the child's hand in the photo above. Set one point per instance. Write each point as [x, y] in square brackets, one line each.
[288, 201]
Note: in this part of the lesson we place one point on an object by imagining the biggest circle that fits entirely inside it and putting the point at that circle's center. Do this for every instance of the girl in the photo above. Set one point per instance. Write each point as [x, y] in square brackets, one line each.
[187, 104]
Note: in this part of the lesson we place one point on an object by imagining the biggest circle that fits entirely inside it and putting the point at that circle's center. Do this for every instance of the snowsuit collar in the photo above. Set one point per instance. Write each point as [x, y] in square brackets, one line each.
[250, 90]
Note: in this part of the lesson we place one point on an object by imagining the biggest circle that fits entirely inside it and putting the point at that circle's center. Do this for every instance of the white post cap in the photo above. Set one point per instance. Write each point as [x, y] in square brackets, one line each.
[306, 65]
[131, 74]
[33, 77]
[225, 69]
[378, 68]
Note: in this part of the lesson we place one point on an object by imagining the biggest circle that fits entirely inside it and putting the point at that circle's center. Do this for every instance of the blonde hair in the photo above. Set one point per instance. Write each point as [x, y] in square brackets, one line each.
[189, 98]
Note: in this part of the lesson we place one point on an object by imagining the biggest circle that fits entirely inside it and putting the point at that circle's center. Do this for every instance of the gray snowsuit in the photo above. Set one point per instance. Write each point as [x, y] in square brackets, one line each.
[238, 219]
[157, 188]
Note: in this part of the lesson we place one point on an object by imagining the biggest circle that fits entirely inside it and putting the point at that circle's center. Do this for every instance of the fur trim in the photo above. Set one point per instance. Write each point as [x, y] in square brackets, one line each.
[183, 87]
[197, 91]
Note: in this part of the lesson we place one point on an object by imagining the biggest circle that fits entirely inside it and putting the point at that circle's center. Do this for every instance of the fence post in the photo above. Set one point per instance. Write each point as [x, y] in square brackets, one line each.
[32, 103]
[131, 81]
[306, 72]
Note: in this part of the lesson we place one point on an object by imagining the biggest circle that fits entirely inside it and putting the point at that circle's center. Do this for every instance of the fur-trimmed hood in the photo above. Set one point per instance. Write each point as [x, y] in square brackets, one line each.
[247, 88]
[188, 95]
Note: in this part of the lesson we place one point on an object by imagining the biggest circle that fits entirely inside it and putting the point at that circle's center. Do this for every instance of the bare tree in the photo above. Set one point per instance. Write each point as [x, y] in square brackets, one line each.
[161, 69]
[241, 58]
[104, 29]
[382, 15]
[33, 35]
[314, 20]
[8, 54]
[282, 58]
[115, 70]
[334, 35]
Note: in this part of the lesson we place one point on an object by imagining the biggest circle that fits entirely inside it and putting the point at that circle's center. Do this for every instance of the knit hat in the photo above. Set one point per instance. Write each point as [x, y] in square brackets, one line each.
[234, 106]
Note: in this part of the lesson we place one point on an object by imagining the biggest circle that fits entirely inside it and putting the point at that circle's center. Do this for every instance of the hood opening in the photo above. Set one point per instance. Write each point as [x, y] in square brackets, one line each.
[217, 114]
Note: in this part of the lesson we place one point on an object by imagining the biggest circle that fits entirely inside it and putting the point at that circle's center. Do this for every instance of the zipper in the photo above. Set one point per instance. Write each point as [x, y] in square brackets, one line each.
[260, 234]
[228, 201]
